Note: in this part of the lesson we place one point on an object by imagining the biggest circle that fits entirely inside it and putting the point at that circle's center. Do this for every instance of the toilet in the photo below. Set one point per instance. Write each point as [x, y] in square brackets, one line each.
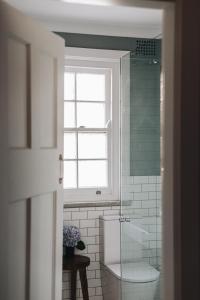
[128, 281]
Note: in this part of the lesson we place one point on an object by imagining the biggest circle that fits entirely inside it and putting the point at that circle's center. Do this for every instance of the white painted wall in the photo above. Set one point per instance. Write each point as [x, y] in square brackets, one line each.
[93, 19]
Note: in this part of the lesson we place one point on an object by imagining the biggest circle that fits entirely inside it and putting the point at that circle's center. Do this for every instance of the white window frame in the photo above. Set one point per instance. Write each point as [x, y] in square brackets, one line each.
[110, 60]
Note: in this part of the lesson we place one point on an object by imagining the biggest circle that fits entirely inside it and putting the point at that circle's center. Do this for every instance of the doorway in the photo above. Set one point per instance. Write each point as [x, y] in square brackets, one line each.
[168, 134]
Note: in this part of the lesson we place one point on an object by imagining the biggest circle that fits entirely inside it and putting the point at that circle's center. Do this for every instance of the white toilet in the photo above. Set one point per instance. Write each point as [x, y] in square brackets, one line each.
[128, 281]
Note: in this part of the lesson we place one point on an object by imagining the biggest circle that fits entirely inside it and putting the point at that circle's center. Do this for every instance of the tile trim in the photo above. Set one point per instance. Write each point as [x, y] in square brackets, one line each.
[92, 204]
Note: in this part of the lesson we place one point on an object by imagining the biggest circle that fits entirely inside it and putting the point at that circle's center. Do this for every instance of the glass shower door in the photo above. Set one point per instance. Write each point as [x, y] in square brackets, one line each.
[140, 178]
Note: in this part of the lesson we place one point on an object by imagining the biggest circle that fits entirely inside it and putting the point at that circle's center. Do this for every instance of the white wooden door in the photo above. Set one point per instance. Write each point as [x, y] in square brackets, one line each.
[31, 114]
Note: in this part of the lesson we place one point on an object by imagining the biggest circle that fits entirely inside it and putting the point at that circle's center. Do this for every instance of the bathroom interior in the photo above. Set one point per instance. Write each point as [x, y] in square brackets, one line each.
[123, 237]
[122, 231]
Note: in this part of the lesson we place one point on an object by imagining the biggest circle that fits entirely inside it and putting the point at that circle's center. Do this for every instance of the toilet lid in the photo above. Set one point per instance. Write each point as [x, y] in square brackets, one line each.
[135, 272]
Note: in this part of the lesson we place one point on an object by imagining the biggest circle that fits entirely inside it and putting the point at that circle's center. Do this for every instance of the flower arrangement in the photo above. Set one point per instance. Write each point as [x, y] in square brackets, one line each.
[72, 238]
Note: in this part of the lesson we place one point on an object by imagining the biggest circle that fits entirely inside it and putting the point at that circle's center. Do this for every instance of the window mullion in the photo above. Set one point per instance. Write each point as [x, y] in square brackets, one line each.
[73, 159]
[91, 101]
[87, 130]
[76, 122]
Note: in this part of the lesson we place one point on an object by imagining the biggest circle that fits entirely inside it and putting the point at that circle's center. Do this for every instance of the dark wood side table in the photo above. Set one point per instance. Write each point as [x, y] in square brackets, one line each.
[74, 264]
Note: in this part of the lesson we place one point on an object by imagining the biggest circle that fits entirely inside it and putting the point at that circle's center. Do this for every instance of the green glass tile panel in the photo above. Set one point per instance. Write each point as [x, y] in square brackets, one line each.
[144, 118]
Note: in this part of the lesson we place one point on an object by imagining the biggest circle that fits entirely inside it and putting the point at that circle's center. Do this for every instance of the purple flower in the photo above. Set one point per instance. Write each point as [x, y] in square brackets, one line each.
[71, 236]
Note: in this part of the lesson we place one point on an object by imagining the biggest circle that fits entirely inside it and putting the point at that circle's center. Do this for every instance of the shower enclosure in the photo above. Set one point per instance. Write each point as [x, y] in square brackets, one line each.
[140, 170]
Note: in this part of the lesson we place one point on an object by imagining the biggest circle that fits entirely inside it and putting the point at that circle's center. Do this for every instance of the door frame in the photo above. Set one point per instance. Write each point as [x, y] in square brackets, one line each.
[172, 128]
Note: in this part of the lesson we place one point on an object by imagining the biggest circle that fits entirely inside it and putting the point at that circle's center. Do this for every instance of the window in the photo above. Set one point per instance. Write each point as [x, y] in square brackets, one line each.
[89, 134]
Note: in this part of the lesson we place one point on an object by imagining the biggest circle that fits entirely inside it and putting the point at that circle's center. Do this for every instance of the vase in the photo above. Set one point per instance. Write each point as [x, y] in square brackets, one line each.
[68, 251]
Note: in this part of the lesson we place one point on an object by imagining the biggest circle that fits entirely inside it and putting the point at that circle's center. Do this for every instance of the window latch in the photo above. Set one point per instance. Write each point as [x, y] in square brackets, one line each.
[98, 192]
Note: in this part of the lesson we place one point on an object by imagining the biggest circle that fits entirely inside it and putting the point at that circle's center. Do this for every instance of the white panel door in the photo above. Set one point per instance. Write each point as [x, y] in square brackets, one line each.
[31, 117]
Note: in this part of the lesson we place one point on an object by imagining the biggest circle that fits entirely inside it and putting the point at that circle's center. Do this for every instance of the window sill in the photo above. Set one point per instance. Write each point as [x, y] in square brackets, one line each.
[91, 204]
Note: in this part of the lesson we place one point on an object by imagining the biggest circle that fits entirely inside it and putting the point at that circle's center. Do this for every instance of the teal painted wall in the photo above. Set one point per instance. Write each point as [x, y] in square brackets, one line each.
[145, 117]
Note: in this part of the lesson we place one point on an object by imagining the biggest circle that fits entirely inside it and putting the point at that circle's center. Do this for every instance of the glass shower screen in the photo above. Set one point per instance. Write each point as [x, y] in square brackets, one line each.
[140, 178]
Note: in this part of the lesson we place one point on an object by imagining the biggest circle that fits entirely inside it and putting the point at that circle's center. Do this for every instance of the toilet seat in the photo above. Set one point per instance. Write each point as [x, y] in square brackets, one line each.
[138, 272]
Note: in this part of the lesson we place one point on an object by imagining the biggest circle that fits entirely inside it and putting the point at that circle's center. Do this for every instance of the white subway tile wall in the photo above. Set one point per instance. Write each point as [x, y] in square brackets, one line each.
[144, 204]
[145, 208]
[87, 219]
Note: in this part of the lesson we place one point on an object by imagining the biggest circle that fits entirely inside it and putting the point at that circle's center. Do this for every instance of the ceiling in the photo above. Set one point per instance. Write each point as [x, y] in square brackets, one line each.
[93, 19]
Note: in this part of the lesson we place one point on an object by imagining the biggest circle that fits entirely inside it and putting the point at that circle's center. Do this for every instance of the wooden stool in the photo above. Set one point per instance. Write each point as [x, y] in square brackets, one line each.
[74, 264]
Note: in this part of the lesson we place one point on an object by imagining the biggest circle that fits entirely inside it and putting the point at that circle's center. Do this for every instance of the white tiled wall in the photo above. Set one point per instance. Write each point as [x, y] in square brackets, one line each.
[87, 219]
[142, 197]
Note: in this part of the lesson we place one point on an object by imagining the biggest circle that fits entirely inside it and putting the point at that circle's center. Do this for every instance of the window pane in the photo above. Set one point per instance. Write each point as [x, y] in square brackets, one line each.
[91, 115]
[69, 86]
[69, 115]
[93, 174]
[69, 175]
[90, 87]
[69, 145]
[92, 145]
